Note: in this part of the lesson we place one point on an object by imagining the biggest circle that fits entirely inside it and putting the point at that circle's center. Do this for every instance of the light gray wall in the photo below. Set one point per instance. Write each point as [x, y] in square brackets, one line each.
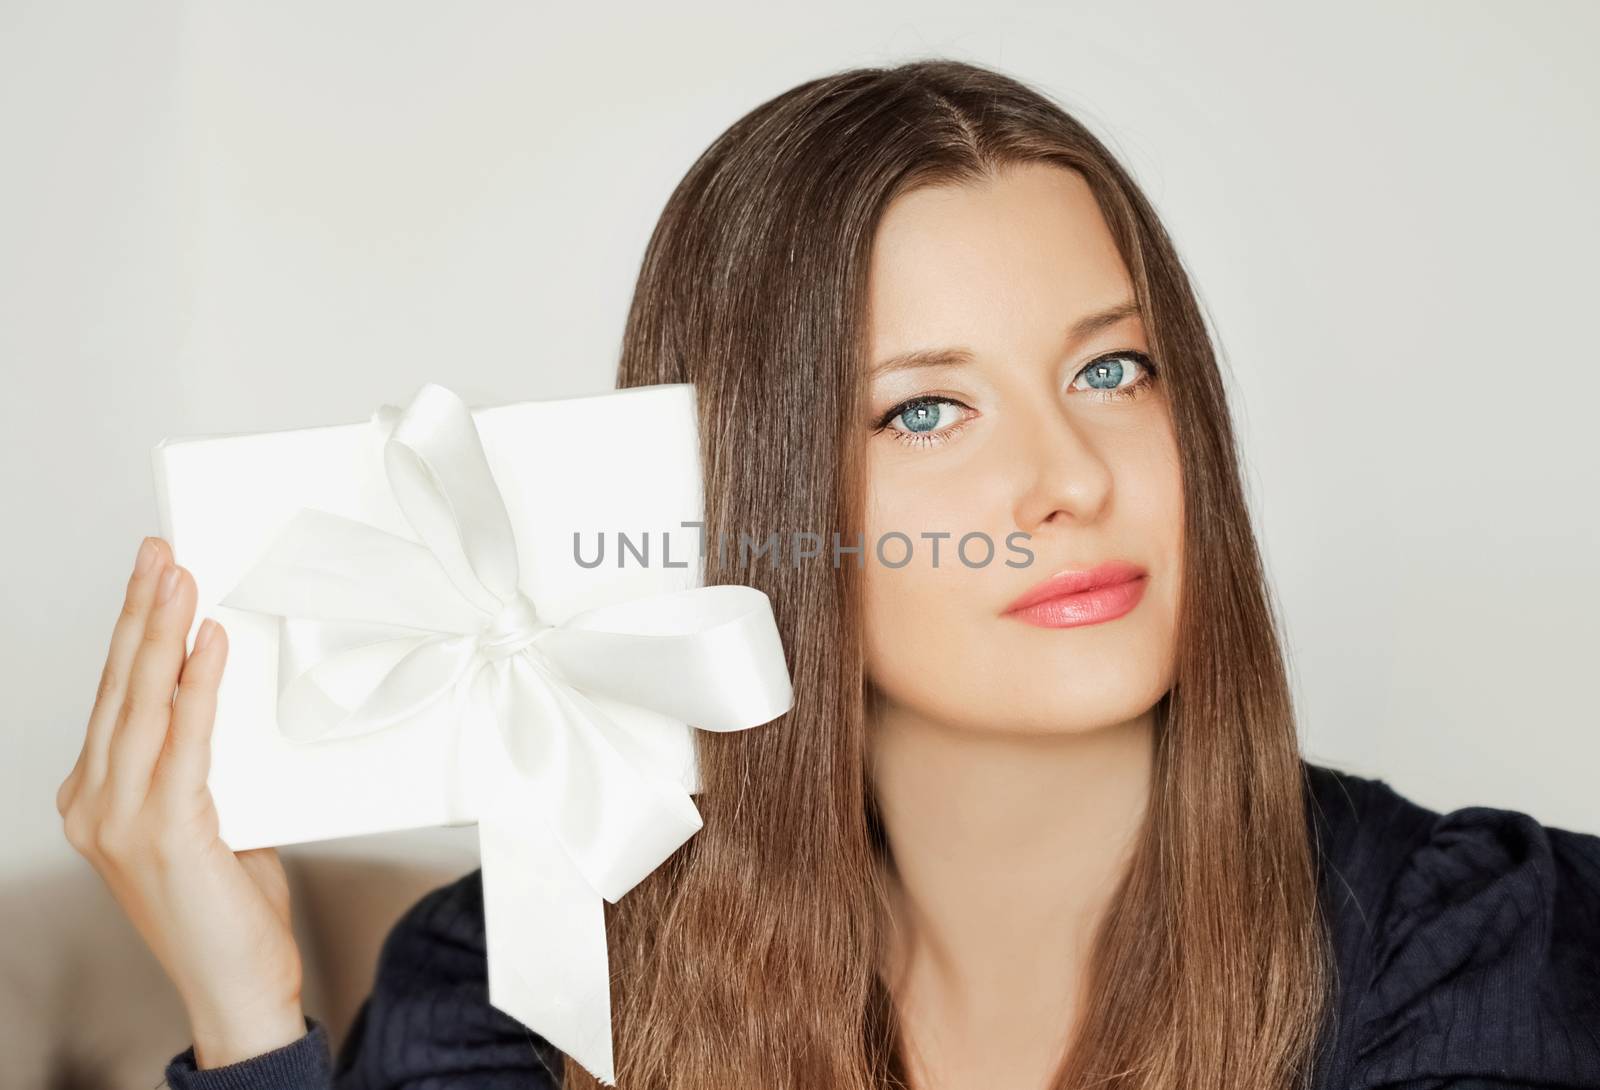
[220, 217]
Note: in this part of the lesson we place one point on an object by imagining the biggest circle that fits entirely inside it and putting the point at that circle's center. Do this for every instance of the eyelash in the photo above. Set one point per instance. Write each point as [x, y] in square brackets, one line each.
[1146, 379]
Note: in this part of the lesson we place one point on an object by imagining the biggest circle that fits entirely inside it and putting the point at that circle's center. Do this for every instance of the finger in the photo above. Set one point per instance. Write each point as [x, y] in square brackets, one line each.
[69, 786]
[154, 557]
[141, 729]
[186, 758]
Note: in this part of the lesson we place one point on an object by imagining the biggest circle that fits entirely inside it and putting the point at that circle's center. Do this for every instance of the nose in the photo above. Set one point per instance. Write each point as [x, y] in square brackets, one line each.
[1062, 477]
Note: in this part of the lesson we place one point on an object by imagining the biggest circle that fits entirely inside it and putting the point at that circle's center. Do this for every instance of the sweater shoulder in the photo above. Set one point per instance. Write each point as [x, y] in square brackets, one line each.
[451, 916]
[1468, 940]
[429, 1016]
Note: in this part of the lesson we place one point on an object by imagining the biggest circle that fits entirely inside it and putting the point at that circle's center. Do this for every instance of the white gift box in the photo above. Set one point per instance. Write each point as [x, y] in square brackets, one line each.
[375, 556]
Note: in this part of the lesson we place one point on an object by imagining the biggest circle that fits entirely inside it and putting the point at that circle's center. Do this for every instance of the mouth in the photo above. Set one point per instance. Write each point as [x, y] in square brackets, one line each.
[1080, 597]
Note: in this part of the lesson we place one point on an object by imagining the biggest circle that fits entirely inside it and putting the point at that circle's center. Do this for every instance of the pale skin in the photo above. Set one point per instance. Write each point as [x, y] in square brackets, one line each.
[137, 807]
[1011, 762]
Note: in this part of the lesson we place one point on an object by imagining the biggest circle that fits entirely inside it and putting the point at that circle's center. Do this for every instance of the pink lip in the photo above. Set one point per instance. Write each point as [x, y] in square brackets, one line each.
[1071, 598]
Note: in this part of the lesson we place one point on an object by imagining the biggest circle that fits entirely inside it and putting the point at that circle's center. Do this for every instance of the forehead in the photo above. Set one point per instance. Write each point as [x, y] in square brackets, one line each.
[1000, 262]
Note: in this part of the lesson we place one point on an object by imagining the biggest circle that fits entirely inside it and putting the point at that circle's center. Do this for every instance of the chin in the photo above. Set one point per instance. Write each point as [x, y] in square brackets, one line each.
[1068, 689]
[1074, 710]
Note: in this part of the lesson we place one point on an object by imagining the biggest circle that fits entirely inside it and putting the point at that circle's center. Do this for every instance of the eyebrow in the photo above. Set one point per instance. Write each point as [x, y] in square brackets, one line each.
[1084, 327]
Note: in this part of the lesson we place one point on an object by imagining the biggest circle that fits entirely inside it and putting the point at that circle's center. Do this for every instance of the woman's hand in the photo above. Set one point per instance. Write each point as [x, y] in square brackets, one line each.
[136, 805]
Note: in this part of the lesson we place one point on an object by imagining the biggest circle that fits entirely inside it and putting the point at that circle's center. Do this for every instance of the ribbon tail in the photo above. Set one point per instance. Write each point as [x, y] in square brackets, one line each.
[548, 965]
[617, 816]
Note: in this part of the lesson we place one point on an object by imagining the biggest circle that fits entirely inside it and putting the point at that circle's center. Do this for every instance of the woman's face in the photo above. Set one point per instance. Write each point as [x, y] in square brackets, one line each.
[1021, 275]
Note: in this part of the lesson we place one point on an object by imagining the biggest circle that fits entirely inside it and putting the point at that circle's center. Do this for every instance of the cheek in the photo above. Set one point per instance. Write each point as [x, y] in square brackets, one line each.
[924, 608]
[1161, 511]
[917, 625]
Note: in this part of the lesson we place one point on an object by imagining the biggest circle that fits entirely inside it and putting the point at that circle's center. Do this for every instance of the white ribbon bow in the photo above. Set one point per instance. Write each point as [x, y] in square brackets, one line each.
[375, 628]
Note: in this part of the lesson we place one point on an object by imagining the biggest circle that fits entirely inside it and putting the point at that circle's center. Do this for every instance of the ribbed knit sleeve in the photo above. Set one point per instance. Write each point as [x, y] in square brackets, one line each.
[303, 1064]
[427, 1024]
[1486, 962]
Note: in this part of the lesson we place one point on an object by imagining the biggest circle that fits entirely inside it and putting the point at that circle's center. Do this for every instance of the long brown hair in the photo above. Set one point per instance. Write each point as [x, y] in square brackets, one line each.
[750, 959]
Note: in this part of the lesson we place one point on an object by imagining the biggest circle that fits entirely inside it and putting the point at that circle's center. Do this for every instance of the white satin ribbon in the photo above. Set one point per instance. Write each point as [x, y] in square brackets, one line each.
[376, 628]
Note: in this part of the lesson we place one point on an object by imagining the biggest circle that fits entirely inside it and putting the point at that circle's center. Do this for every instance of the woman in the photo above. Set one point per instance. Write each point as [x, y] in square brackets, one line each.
[995, 843]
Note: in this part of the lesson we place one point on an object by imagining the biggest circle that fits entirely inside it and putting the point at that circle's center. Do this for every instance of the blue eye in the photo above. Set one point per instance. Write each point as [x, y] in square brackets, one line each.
[923, 421]
[1105, 375]
[924, 416]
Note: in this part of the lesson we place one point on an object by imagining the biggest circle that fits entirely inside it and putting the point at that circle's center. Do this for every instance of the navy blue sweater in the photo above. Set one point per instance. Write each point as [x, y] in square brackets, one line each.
[1468, 947]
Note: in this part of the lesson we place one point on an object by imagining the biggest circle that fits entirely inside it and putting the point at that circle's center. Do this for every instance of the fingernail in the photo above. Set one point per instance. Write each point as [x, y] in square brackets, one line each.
[169, 583]
[146, 557]
[208, 628]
